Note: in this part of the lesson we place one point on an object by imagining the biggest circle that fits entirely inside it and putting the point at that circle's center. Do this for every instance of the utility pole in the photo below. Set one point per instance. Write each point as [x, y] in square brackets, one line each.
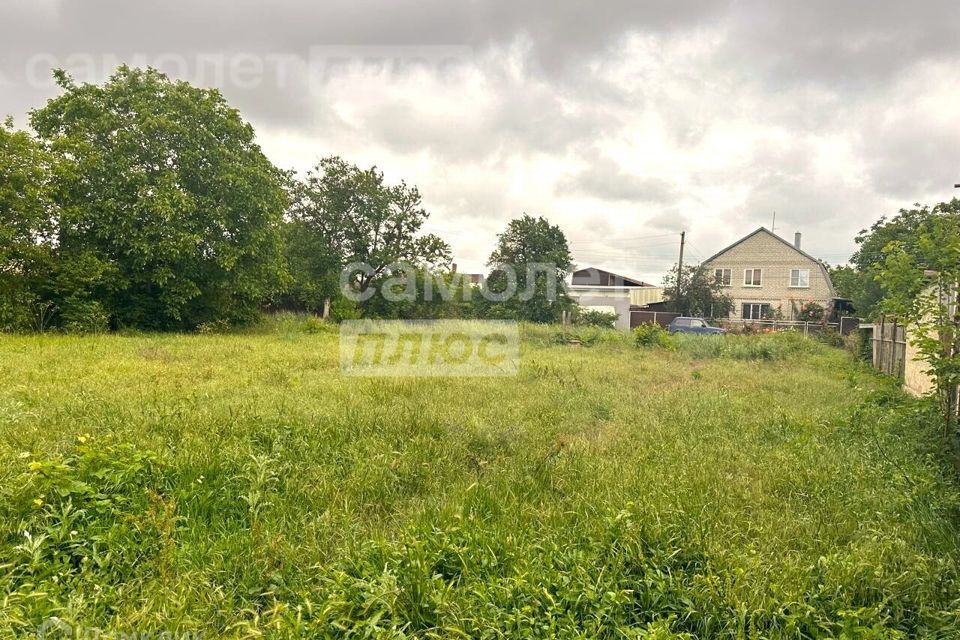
[683, 236]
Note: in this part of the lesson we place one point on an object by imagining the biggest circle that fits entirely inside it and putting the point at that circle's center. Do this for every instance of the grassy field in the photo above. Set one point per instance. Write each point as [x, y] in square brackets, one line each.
[239, 486]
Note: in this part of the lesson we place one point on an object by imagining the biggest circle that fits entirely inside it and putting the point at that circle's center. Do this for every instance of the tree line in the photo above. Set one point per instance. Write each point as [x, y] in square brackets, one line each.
[147, 203]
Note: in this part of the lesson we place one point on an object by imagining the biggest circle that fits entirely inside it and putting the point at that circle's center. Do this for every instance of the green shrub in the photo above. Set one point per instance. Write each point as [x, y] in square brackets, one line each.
[343, 309]
[84, 316]
[313, 324]
[653, 335]
[831, 337]
[594, 318]
[810, 312]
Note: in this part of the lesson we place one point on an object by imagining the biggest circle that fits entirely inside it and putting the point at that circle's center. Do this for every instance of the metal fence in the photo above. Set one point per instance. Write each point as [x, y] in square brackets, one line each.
[663, 318]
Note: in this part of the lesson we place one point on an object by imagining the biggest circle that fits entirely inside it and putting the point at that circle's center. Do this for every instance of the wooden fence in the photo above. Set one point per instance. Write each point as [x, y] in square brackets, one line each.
[890, 347]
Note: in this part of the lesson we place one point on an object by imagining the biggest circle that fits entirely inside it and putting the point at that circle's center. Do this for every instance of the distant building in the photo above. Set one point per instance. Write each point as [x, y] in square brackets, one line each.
[471, 278]
[602, 290]
[767, 276]
[598, 277]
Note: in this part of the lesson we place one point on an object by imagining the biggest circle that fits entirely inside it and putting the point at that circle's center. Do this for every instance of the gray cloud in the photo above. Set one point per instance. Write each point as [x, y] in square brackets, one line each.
[607, 180]
[700, 114]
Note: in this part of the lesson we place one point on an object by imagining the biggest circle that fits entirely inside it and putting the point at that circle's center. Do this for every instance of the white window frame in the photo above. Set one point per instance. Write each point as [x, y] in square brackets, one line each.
[800, 280]
[751, 305]
[753, 273]
[724, 272]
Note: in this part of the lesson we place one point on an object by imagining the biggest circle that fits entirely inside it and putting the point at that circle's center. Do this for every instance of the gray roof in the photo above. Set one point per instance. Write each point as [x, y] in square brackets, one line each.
[823, 269]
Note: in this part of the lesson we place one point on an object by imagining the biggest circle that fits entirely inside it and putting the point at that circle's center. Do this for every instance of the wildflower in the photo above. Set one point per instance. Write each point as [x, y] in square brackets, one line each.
[82, 439]
[35, 466]
[24, 454]
[38, 502]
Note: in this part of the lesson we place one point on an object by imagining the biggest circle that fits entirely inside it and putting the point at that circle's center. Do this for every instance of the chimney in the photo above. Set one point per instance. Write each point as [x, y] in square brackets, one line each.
[454, 267]
[796, 240]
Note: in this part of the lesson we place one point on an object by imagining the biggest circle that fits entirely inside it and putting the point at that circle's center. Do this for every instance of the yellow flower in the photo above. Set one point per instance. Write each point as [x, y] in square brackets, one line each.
[35, 466]
[82, 439]
[38, 502]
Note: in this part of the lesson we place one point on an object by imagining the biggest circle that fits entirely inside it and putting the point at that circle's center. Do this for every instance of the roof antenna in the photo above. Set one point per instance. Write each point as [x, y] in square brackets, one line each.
[773, 225]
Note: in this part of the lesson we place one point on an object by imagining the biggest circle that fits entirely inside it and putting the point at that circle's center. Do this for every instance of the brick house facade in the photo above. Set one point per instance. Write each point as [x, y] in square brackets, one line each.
[766, 276]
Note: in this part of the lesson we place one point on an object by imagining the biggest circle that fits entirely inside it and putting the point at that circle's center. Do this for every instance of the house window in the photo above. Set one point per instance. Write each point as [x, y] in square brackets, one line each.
[751, 277]
[800, 278]
[723, 277]
[755, 311]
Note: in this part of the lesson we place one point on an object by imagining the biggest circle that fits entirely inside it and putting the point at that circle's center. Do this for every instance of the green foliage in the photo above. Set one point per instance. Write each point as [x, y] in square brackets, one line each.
[653, 335]
[921, 285]
[345, 309]
[700, 294]
[163, 184]
[848, 282]
[25, 226]
[525, 246]
[85, 523]
[810, 312]
[782, 345]
[831, 337]
[236, 485]
[314, 268]
[862, 283]
[412, 293]
[343, 215]
[594, 318]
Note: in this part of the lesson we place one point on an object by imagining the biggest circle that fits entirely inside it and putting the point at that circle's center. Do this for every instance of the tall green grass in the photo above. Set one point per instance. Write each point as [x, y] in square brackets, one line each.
[770, 346]
[239, 486]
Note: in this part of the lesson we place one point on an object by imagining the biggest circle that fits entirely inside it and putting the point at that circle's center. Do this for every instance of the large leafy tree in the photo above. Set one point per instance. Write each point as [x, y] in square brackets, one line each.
[699, 293]
[26, 225]
[538, 255]
[163, 186]
[343, 215]
[861, 282]
[920, 279]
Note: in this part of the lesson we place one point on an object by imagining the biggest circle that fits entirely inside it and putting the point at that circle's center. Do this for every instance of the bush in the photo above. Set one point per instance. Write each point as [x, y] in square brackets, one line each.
[859, 344]
[831, 337]
[810, 312]
[15, 312]
[594, 318]
[653, 335]
[84, 316]
[344, 309]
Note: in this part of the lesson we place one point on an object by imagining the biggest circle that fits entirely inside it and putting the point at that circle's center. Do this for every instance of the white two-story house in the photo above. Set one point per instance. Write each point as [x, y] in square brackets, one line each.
[766, 276]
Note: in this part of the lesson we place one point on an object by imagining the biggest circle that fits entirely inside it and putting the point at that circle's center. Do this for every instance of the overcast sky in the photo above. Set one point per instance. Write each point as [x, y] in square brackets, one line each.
[624, 122]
